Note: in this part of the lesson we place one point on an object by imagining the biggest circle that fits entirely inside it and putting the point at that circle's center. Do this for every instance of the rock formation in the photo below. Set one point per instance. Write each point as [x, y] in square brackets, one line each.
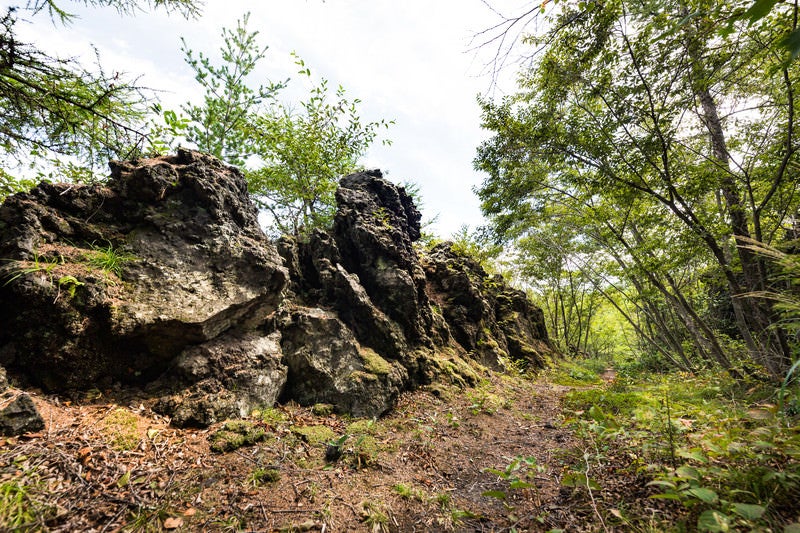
[161, 278]
[486, 317]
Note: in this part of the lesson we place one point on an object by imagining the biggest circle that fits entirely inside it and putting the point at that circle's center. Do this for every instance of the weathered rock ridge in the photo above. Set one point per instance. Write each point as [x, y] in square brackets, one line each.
[161, 278]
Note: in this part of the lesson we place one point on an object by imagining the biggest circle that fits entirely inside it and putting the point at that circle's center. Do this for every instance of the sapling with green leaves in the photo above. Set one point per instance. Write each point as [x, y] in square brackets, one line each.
[292, 154]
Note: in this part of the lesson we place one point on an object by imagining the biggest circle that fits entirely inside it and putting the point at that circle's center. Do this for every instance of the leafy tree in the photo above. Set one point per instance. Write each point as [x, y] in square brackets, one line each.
[292, 156]
[478, 246]
[303, 154]
[51, 107]
[663, 132]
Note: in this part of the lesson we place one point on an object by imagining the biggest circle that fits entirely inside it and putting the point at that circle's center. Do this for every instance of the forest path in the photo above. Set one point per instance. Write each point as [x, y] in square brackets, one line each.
[487, 458]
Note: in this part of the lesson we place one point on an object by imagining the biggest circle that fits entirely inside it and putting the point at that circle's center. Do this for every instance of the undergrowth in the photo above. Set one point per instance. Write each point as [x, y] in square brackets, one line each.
[725, 453]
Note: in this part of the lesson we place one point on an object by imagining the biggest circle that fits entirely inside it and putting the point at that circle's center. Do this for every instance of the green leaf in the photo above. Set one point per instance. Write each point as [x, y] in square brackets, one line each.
[579, 480]
[749, 511]
[687, 472]
[499, 494]
[697, 455]
[666, 496]
[759, 10]
[662, 483]
[702, 493]
[463, 513]
[596, 413]
[792, 528]
[713, 521]
[124, 480]
[792, 43]
[519, 485]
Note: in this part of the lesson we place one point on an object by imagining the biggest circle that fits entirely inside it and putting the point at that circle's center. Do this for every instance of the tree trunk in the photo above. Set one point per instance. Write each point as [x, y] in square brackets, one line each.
[753, 320]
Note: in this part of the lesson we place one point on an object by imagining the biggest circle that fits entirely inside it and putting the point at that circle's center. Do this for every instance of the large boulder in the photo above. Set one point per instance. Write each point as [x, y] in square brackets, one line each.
[227, 377]
[367, 270]
[18, 414]
[328, 365]
[111, 282]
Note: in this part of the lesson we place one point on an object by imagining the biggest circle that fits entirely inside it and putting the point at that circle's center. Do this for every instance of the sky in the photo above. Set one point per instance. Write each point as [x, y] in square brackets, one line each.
[411, 61]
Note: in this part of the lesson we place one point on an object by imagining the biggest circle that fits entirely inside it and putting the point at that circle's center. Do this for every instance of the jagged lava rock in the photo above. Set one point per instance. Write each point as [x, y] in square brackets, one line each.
[199, 309]
[194, 263]
[320, 279]
[328, 365]
[487, 317]
[375, 226]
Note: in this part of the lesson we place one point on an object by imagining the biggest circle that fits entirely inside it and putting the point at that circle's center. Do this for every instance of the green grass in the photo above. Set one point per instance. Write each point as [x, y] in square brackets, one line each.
[108, 259]
[409, 493]
[578, 372]
[19, 508]
[38, 264]
[725, 450]
[24, 498]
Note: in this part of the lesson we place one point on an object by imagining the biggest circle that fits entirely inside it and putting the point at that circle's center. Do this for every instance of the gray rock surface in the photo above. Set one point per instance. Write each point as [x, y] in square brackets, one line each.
[214, 321]
[488, 318]
[227, 377]
[375, 226]
[192, 264]
[18, 414]
[328, 365]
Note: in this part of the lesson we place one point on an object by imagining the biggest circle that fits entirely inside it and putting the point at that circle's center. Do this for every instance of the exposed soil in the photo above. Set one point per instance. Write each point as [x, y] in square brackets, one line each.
[439, 461]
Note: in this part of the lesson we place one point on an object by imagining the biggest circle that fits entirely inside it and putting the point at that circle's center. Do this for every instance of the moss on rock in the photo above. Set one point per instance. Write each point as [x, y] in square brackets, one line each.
[374, 363]
[314, 434]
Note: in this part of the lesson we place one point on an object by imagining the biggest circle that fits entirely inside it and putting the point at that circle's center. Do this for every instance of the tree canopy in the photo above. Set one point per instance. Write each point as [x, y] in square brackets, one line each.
[292, 155]
[650, 146]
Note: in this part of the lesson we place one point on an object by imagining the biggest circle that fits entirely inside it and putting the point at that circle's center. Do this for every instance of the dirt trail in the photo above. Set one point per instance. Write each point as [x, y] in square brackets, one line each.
[483, 459]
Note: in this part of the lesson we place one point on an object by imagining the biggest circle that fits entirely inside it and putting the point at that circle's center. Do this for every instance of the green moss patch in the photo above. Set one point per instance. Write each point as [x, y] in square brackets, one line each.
[374, 363]
[314, 434]
[236, 433]
[322, 409]
[362, 427]
[122, 429]
[263, 476]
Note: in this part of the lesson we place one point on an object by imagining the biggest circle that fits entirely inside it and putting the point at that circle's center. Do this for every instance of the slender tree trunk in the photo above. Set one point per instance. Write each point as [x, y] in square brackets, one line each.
[753, 320]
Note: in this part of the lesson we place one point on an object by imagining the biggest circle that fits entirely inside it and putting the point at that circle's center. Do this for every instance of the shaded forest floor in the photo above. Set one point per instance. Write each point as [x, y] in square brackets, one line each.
[512, 454]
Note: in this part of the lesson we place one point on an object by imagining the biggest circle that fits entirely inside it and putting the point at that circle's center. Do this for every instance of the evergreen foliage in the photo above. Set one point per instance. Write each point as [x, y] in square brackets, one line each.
[52, 106]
